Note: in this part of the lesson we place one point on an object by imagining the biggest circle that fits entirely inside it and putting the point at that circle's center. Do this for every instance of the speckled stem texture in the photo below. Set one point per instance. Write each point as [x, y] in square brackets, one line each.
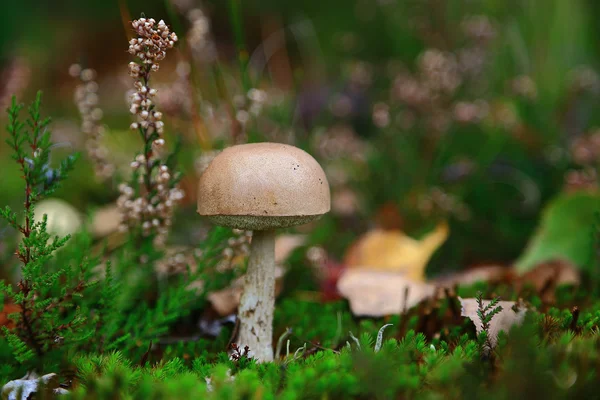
[258, 300]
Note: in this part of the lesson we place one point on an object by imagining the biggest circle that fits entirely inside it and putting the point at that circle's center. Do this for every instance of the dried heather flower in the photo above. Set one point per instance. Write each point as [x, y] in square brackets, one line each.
[86, 99]
[176, 261]
[524, 86]
[204, 160]
[151, 46]
[584, 79]
[439, 70]
[201, 44]
[478, 28]
[585, 150]
[410, 91]
[238, 245]
[151, 206]
[14, 79]
[466, 112]
[381, 115]
[581, 180]
[437, 201]
[341, 141]
[174, 98]
[247, 108]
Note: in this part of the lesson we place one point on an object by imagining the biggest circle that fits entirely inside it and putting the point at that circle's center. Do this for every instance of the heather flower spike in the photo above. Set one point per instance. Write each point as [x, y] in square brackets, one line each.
[151, 206]
[86, 98]
[262, 187]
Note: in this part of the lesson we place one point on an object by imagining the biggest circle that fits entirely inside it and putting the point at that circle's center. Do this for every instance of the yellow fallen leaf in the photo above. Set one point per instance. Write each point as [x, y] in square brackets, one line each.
[395, 251]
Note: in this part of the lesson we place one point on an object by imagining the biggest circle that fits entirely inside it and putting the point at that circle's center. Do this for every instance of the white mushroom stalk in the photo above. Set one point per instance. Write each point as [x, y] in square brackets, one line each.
[262, 187]
[258, 300]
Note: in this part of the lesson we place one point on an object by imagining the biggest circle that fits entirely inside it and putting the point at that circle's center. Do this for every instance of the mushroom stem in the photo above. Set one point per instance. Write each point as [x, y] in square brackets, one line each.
[258, 300]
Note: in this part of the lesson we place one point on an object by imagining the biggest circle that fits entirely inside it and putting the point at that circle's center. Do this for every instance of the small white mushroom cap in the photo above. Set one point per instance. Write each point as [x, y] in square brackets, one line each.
[63, 218]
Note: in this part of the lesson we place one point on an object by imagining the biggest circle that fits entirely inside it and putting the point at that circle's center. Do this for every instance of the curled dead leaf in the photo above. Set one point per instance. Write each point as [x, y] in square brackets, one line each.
[547, 276]
[487, 273]
[395, 251]
[27, 387]
[512, 314]
[378, 293]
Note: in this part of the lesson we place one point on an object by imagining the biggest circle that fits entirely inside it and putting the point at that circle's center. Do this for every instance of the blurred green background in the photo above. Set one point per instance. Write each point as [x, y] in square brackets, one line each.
[513, 161]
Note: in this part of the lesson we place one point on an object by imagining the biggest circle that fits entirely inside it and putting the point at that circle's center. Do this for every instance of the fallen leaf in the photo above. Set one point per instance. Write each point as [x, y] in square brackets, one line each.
[486, 273]
[344, 202]
[329, 274]
[226, 301]
[285, 245]
[106, 220]
[228, 378]
[547, 276]
[212, 327]
[502, 321]
[6, 311]
[28, 386]
[388, 217]
[395, 251]
[565, 231]
[378, 293]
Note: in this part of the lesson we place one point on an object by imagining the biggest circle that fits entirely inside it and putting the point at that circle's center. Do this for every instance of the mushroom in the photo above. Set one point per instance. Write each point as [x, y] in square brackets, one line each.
[262, 187]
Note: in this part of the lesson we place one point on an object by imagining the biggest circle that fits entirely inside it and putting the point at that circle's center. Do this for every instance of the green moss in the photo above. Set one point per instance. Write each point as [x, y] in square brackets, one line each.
[408, 368]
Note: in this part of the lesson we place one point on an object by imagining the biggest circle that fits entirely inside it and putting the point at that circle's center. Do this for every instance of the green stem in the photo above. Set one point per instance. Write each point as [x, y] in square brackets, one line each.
[235, 15]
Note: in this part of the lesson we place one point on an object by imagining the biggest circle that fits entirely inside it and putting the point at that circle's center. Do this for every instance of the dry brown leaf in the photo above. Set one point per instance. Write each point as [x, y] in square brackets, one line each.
[502, 321]
[487, 273]
[547, 276]
[226, 301]
[8, 309]
[395, 251]
[378, 293]
[285, 245]
[106, 220]
[388, 217]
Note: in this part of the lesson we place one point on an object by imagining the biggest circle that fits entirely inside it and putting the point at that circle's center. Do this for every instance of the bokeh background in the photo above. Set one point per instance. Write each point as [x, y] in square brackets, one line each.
[477, 113]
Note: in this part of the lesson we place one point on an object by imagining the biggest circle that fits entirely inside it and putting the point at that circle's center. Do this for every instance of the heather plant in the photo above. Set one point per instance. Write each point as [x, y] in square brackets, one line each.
[486, 314]
[86, 99]
[49, 315]
[122, 300]
[147, 287]
[147, 202]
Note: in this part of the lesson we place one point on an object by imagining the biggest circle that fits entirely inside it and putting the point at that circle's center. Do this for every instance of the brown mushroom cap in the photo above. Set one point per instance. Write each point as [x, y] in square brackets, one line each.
[263, 186]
